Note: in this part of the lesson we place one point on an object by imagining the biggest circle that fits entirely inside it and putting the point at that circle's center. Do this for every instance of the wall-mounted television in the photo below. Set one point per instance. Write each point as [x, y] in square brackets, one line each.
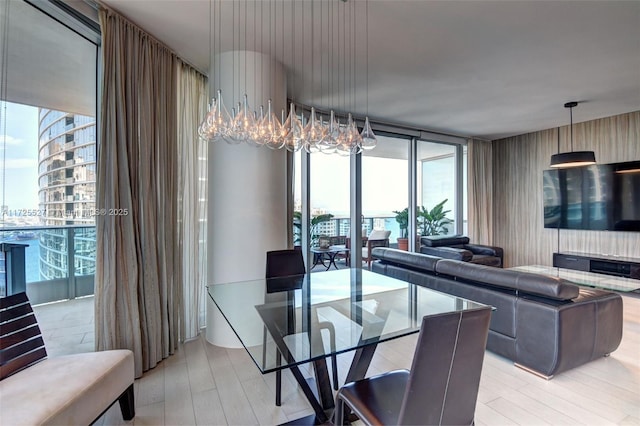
[603, 197]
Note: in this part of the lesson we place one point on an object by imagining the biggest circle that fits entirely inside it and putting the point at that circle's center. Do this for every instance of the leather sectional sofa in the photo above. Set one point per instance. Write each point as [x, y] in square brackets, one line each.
[545, 324]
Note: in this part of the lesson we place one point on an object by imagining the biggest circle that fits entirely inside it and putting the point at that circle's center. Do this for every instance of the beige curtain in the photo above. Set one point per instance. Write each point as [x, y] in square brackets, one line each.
[480, 191]
[291, 184]
[138, 273]
[192, 163]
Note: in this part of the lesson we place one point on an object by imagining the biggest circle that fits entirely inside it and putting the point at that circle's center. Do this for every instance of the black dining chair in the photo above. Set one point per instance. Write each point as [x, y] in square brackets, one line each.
[284, 263]
[288, 263]
[442, 386]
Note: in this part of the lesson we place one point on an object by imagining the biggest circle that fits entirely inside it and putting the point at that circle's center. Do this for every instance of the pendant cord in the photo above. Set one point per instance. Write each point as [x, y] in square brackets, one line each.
[293, 49]
[313, 39]
[233, 53]
[367, 51]
[219, 50]
[245, 50]
[255, 48]
[322, 56]
[210, 54]
[262, 47]
[571, 129]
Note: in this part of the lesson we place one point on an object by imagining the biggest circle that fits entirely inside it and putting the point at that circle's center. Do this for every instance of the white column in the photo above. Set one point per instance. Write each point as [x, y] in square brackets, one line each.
[247, 191]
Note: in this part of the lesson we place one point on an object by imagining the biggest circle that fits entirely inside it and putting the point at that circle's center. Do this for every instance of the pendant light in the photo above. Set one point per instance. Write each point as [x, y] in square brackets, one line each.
[261, 127]
[573, 158]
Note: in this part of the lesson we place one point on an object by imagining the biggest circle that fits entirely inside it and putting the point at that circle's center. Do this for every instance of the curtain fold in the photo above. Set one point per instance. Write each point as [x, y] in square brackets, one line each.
[138, 274]
[192, 156]
[480, 191]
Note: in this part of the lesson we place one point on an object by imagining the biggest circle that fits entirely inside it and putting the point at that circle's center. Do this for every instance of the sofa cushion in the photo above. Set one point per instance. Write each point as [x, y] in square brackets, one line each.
[444, 240]
[66, 390]
[405, 258]
[541, 285]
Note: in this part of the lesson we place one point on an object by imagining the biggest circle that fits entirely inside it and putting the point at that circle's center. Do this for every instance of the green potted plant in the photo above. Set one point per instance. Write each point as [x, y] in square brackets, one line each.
[315, 221]
[434, 221]
[402, 217]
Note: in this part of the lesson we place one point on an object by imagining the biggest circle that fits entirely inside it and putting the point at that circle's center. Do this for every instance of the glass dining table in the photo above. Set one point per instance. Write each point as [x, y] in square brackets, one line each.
[286, 322]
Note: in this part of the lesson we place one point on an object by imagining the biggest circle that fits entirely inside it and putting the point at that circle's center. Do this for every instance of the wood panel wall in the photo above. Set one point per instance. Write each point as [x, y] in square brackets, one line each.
[517, 187]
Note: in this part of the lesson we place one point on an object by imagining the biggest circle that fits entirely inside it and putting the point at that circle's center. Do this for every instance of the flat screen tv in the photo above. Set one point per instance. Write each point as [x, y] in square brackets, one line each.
[604, 197]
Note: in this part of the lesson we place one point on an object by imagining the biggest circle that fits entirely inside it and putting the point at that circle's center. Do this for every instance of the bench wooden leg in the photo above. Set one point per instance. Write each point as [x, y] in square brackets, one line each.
[127, 404]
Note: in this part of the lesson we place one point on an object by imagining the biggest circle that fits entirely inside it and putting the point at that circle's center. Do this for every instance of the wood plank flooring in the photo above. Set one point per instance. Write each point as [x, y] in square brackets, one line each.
[207, 385]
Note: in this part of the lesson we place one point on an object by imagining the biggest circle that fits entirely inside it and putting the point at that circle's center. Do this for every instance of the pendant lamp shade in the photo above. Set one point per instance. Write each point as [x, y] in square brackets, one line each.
[573, 158]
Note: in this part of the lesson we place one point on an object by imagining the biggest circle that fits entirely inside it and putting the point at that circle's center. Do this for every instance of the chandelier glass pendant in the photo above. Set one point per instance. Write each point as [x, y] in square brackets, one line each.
[292, 132]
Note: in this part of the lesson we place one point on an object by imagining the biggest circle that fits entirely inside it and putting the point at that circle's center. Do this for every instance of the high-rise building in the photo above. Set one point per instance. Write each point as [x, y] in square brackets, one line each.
[67, 187]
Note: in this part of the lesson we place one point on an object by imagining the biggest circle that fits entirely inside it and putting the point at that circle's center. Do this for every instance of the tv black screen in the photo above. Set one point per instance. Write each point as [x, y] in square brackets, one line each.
[604, 197]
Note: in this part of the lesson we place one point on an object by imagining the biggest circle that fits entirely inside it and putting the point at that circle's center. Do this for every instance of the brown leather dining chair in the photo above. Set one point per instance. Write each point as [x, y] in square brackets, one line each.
[288, 263]
[442, 386]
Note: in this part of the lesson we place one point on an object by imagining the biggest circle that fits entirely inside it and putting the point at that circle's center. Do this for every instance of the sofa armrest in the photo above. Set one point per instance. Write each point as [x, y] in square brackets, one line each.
[448, 253]
[552, 338]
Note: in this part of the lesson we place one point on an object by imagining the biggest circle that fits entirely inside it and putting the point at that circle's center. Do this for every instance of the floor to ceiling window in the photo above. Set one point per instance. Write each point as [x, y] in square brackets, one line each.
[385, 186]
[329, 191]
[436, 188]
[48, 150]
[387, 189]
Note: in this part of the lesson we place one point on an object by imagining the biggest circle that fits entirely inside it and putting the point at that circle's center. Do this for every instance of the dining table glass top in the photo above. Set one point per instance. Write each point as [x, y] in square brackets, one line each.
[293, 320]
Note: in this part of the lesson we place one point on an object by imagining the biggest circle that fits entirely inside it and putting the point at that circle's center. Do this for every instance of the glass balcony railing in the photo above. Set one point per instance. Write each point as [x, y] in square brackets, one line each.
[59, 262]
[340, 226]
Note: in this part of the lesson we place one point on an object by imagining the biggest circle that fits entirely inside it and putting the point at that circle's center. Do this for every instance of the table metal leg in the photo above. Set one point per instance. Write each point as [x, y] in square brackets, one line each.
[318, 259]
[332, 260]
[324, 398]
[323, 383]
[360, 364]
[311, 397]
[357, 371]
[278, 381]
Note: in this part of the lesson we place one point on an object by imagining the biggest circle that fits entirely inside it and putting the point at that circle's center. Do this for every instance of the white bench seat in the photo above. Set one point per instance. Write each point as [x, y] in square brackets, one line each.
[67, 390]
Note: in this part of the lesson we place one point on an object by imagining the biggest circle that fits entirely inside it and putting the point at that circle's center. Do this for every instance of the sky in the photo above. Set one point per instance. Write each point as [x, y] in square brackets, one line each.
[384, 187]
[18, 156]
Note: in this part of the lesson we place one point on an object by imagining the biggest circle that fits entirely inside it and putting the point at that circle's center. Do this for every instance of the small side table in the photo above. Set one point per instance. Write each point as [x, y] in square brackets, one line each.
[320, 255]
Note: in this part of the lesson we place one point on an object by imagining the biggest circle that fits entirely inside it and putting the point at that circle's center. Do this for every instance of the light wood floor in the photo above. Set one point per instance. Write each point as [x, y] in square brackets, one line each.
[207, 385]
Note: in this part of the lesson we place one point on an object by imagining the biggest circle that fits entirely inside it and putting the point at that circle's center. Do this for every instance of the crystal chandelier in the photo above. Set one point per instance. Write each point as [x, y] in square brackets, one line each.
[291, 132]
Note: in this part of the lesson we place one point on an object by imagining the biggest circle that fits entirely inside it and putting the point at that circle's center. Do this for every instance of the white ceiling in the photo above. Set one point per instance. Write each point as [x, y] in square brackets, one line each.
[488, 69]
[70, 78]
